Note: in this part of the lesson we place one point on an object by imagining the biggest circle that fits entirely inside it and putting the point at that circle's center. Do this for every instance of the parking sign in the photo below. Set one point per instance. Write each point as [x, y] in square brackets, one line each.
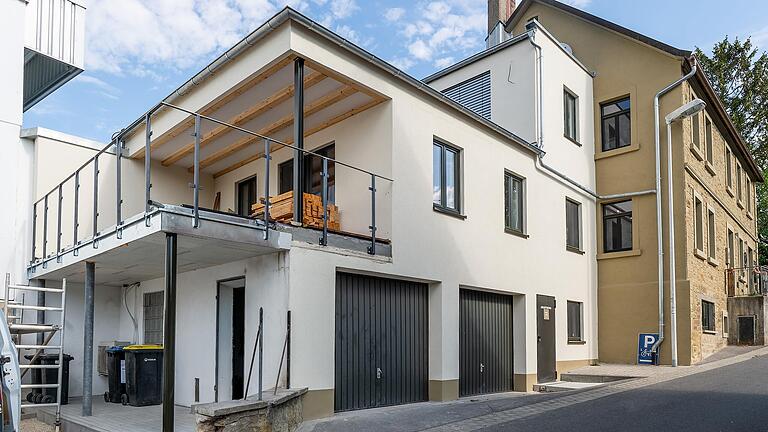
[644, 344]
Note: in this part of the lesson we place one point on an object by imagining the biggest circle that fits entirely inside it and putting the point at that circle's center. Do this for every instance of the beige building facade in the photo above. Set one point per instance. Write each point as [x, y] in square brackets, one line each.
[713, 178]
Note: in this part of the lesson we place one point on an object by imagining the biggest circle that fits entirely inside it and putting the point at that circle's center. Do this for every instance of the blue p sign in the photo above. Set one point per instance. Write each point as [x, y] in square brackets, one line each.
[644, 346]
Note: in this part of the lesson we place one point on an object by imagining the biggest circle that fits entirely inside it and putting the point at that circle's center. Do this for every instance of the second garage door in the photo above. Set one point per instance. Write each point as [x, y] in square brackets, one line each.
[381, 342]
[485, 343]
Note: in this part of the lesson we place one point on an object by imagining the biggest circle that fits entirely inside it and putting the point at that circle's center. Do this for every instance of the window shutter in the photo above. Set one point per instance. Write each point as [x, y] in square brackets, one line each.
[474, 93]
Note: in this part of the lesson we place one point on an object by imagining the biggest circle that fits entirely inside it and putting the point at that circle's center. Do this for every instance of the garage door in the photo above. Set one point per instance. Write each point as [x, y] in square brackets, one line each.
[485, 343]
[381, 342]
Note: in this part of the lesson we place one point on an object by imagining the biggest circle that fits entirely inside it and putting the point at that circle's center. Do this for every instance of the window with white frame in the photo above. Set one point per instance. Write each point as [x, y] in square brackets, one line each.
[698, 220]
[748, 189]
[738, 181]
[707, 316]
[740, 263]
[728, 168]
[729, 253]
[708, 141]
[696, 130]
[711, 245]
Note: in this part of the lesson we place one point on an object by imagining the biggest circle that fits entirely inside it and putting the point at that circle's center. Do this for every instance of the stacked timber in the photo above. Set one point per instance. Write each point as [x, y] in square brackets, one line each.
[281, 210]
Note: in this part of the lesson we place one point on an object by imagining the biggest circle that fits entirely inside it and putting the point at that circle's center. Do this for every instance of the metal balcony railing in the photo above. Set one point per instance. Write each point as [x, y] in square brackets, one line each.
[746, 281]
[90, 171]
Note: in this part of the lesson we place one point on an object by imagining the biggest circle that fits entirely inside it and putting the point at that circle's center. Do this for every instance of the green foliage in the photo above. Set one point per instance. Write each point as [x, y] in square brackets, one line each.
[738, 72]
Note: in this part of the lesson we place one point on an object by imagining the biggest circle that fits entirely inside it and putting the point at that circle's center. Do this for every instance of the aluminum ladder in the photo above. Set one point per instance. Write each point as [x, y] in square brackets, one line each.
[13, 310]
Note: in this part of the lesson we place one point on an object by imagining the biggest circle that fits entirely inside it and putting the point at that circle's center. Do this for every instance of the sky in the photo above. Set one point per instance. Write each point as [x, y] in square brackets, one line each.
[138, 51]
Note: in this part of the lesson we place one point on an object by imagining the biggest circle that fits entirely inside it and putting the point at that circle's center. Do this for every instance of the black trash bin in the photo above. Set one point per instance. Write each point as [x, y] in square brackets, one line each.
[50, 376]
[143, 375]
[115, 374]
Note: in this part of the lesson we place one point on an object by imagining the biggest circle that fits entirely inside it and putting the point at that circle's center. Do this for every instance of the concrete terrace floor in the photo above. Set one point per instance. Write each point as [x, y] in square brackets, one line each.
[728, 393]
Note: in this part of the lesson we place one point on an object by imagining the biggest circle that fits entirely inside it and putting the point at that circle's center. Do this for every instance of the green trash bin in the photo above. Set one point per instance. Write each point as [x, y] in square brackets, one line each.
[143, 375]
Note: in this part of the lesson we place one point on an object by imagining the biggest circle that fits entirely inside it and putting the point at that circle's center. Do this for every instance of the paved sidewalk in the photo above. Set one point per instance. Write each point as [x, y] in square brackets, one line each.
[464, 415]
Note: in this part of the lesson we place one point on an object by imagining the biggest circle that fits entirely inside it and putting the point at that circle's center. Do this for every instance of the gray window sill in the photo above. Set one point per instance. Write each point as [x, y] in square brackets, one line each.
[516, 233]
[448, 212]
[574, 250]
[577, 342]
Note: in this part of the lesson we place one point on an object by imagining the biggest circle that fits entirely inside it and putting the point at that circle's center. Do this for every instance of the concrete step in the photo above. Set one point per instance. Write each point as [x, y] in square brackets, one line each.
[591, 378]
[559, 386]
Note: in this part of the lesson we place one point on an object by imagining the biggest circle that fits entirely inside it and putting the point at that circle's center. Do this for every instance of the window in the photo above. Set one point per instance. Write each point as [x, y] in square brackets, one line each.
[750, 264]
[474, 93]
[698, 220]
[742, 260]
[748, 188]
[725, 324]
[153, 318]
[514, 204]
[247, 196]
[729, 257]
[738, 181]
[708, 138]
[313, 169]
[445, 176]
[696, 126]
[570, 115]
[707, 316]
[617, 226]
[616, 127]
[572, 224]
[711, 234]
[575, 322]
[728, 169]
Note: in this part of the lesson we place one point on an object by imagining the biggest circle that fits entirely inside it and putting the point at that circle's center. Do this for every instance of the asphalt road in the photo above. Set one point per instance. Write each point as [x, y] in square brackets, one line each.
[731, 398]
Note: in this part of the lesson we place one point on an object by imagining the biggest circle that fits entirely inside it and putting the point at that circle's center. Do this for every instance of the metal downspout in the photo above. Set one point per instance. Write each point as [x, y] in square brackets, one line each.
[659, 216]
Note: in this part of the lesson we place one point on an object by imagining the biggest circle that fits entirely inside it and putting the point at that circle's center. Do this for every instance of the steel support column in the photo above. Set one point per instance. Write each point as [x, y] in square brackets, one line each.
[90, 281]
[169, 333]
[298, 140]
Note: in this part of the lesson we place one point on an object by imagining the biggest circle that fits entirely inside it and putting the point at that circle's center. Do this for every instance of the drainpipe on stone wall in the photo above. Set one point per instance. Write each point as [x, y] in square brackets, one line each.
[659, 216]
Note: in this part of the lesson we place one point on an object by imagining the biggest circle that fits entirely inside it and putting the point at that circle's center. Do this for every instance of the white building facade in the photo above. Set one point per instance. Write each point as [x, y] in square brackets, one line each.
[483, 277]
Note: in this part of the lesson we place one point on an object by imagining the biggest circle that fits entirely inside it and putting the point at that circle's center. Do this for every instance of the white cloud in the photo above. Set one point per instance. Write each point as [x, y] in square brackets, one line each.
[442, 30]
[760, 38]
[420, 50]
[343, 8]
[578, 3]
[143, 36]
[403, 63]
[394, 14]
[443, 62]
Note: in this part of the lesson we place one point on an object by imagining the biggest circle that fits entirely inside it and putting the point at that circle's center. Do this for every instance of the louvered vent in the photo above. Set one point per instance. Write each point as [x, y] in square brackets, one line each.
[474, 93]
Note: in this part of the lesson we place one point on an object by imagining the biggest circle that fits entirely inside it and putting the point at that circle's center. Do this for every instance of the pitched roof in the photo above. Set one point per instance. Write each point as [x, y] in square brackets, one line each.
[687, 59]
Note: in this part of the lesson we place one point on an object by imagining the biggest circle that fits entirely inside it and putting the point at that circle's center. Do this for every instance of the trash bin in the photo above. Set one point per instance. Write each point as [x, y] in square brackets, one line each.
[50, 376]
[115, 374]
[143, 375]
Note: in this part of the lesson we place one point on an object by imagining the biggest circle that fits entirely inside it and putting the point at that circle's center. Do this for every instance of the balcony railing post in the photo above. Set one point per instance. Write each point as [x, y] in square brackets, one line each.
[95, 200]
[324, 194]
[58, 225]
[76, 204]
[118, 187]
[45, 226]
[34, 230]
[196, 176]
[267, 158]
[372, 247]
[147, 166]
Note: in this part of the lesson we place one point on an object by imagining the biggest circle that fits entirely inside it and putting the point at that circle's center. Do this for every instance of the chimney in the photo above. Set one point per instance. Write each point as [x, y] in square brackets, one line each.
[499, 12]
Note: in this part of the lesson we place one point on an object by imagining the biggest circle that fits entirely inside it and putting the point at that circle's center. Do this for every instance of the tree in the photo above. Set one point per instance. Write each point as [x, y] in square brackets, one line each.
[738, 72]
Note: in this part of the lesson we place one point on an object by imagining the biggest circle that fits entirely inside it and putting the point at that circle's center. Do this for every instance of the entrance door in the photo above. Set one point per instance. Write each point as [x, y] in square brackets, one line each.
[485, 343]
[381, 342]
[746, 330]
[230, 340]
[545, 336]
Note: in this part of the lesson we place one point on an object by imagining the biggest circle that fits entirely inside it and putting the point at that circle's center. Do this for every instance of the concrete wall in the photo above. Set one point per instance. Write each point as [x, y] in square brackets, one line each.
[15, 165]
[747, 306]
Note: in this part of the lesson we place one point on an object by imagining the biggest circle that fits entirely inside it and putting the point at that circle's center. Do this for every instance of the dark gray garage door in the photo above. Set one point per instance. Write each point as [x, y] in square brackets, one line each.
[381, 342]
[485, 343]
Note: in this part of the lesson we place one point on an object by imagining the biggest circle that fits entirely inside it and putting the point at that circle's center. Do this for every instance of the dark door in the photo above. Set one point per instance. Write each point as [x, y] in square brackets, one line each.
[746, 330]
[238, 342]
[381, 342]
[545, 335]
[247, 196]
[485, 343]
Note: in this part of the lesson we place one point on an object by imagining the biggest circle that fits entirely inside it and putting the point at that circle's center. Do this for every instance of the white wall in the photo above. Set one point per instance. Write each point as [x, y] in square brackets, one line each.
[16, 162]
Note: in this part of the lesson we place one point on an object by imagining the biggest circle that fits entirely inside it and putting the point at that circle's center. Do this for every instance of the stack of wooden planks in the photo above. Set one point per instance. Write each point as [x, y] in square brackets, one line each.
[281, 210]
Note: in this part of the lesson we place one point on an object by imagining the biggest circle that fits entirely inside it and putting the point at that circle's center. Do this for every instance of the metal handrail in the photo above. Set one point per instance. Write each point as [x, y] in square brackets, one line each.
[117, 142]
